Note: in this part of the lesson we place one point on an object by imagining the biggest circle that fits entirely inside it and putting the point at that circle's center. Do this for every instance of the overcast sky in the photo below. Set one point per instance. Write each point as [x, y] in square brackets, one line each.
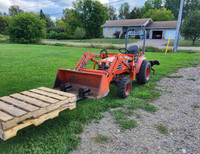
[54, 7]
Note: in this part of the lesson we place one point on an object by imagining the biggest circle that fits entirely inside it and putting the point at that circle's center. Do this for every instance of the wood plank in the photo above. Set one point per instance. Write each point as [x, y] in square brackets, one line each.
[57, 92]
[5, 117]
[40, 97]
[7, 134]
[30, 100]
[37, 113]
[49, 94]
[11, 109]
[18, 103]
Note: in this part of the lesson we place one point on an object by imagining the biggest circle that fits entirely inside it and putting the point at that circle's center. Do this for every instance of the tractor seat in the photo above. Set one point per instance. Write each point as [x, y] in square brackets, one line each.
[134, 49]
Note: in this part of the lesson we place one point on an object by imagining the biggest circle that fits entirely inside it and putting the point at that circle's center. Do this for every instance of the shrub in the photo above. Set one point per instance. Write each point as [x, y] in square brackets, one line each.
[53, 35]
[137, 36]
[26, 28]
[79, 33]
[63, 35]
[57, 29]
[116, 34]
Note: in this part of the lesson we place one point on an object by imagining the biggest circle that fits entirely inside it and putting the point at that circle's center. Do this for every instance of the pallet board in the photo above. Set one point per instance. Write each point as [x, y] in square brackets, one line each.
[29, 107]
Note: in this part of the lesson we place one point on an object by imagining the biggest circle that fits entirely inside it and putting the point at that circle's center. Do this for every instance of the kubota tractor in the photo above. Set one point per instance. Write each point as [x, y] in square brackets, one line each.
[109, 68]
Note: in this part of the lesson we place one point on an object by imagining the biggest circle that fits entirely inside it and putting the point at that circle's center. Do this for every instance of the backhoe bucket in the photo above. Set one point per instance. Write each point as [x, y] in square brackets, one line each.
[96, 83]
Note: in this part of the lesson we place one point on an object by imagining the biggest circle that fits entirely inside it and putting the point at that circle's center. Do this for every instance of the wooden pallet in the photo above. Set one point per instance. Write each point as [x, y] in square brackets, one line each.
[31, 107]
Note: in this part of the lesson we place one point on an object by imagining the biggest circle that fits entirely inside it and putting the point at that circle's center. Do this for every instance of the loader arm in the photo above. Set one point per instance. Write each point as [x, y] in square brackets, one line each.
[85, 58]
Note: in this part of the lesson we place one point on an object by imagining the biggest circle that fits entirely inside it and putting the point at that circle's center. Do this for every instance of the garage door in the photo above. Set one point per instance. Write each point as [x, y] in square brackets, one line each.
[167, 33]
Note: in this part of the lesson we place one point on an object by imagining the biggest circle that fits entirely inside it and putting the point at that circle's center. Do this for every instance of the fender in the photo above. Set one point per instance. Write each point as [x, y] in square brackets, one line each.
[139, 63]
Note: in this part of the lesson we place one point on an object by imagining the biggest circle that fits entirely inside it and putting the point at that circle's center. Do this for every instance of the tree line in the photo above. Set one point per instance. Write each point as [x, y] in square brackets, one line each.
[85, 18]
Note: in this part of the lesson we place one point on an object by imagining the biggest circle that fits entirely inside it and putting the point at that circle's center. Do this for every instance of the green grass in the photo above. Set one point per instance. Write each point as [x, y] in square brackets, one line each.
[138, 115]
[24, 67]
[162, 129]
[99, 40]
[187, 43]
[121, 117]
[174, 76]
[195, 106]
[192, 79]
[102, 139]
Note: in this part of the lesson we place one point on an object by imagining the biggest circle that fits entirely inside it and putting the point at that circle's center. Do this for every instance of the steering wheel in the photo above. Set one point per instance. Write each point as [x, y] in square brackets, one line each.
[126, 50]
[104, 50]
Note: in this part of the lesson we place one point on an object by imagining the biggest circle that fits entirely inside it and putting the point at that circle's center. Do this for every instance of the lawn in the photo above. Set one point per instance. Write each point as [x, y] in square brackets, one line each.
[100, 41]
[24, 67]
[187, 43]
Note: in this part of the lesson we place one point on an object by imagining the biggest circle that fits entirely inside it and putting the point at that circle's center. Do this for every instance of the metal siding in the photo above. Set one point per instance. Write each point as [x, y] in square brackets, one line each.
[167, 33]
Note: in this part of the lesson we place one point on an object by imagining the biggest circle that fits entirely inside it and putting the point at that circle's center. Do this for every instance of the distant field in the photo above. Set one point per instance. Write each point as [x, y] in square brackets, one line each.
[187, 43]
[24, 67]
[103, 41]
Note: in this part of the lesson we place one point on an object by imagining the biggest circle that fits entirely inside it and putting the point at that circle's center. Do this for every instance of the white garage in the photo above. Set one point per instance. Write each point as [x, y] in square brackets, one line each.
[162, 29]
[168, 32]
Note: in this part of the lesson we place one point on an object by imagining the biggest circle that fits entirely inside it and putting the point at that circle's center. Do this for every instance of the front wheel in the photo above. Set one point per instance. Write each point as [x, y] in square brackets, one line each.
[144, 74]
[124, 87]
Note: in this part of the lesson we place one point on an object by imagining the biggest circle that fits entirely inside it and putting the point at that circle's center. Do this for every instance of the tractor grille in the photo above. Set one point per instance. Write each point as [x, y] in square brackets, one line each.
[119, 66]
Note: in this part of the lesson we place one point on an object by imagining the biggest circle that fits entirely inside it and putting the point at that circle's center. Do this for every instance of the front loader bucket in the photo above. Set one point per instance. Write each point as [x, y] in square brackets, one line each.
[97, 83]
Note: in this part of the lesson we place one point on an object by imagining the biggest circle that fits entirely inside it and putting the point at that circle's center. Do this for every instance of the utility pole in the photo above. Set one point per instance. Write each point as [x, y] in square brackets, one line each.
[144, 39]
[178, 26]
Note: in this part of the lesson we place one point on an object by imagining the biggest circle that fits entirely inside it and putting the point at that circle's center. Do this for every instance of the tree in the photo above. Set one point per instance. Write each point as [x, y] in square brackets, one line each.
[190, 28]
[151, 4]
[135, 13]
[49, 22]
[159, 15]
[79, 33]
[47, 18]
[71, 20]
[112, 13]
[14, 10]
[90, 15]
[189, 6]
[124, 11]
[173, 5]
[42, 15]
[4, 21]
[26, 28]
[157, 4]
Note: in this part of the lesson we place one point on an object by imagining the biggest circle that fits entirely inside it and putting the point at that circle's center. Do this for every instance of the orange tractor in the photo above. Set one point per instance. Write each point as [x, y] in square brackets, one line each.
[108, 68]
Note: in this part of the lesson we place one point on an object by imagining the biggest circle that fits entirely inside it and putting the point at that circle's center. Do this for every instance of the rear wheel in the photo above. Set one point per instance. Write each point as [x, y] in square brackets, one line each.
[144, 74]
[124, 87]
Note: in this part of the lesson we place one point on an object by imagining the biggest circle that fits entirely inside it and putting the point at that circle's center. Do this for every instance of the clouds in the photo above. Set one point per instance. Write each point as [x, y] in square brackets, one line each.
[55, 7]
[4, 5]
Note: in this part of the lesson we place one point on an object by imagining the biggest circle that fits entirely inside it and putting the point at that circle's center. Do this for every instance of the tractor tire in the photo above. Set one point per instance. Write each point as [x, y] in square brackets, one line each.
[144, 74]
[124, 87]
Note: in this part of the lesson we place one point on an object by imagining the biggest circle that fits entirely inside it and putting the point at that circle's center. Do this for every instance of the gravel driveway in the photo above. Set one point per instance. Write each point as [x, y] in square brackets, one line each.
[178, 110]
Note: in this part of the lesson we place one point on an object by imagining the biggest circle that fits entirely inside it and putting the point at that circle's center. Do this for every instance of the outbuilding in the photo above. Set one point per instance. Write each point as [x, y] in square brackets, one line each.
[162, 29]
[135, 27]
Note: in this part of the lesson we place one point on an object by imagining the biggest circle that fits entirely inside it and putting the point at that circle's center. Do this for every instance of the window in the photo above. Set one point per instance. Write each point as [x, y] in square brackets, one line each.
[107, 29]
[115, 28]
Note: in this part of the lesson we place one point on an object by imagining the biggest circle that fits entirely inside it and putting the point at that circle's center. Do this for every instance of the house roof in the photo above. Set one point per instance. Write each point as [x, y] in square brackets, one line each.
[163, 24]
[127, 22]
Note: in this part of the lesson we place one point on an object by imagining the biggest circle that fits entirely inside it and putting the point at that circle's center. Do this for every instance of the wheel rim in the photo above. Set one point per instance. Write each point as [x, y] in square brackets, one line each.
[148, 73]
[128, 89]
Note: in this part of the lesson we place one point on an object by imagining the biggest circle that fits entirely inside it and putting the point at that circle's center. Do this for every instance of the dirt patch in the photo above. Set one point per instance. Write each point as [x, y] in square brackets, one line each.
[177, 114]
